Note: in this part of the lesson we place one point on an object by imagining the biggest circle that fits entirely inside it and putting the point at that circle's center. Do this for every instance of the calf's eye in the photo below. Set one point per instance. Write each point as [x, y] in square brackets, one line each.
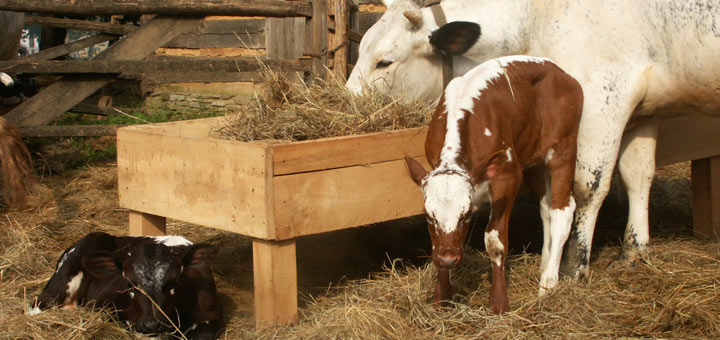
[383, 63]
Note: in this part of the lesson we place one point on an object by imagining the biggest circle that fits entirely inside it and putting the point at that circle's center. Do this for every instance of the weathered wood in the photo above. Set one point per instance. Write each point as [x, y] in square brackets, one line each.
[322, 201]
[244, 64]
[318, 41]
[62, 50]
[284, 37]
[165, 7]
[275, 281]
[338, 38]
[199, 77]
[354, 36]
[366, 20]
[705, 180]
[205, 181]
[80, 25]
[141, 224]
[62, 95]
[224, 40]
[69, 130]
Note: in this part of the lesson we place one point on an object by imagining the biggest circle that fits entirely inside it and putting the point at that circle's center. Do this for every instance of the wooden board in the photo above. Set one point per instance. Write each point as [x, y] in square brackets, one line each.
[330, 153]
[285, 37]
[706, 197]
[216, 183]
[275, 282]
[322, 201]
[687, 137]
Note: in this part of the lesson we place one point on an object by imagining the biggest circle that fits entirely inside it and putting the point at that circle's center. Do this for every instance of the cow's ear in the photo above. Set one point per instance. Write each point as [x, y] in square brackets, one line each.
[417, 172]
[101, 264]
[199, 255]
[455, 38]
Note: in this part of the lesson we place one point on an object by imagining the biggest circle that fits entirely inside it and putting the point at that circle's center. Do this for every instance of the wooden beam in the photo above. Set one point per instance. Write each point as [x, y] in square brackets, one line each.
[705, 181]
[199, 77]
[80, 25]
[62, 95]
[69, 130]
[275, 281]
[62, 50]
[338, 42]
[153, 65]
[166, 7]
[142, 224]
[318, 37]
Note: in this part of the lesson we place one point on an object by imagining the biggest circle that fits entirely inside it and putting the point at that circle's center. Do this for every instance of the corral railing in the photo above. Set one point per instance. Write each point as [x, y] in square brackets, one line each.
[309, 37]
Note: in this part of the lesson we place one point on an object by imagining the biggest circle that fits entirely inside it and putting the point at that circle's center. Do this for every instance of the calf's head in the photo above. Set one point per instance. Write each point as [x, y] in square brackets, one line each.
[401, 53]
[151, 275]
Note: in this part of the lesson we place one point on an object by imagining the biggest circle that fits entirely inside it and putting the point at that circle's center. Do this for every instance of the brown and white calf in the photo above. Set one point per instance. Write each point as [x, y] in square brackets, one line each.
[156, 284]
[507, 118]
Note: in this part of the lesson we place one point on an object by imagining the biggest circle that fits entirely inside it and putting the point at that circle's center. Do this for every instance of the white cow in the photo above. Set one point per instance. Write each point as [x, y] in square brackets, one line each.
[632, 58]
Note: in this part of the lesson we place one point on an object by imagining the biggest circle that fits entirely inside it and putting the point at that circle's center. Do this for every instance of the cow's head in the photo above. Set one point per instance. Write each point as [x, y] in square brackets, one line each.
[401, 53]
[151, 275]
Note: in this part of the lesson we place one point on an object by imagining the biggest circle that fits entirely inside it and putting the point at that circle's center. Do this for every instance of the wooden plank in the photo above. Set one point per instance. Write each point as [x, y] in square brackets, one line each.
[160, 64]
[275, 281]
[330, 153]
[366, 20]
[199, 77]
[215, 183]
[80, 25]
[239, 26]
[165, 7]
[62, 50]
[284, 37]
[62, 95]
[684, 138]
[318, 38]
[141, 224]
[705, 179]
[222, 40]
[318, 202]
[69, 130]
[338, 38]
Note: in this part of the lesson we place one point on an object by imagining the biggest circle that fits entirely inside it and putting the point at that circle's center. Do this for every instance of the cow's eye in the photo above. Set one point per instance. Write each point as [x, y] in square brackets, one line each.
[383, 63]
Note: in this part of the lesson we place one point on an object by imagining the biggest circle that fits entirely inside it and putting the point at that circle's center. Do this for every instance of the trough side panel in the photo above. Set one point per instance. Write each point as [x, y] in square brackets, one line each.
[338, 152]
[214, 183]
[322, 201]
[686, 138]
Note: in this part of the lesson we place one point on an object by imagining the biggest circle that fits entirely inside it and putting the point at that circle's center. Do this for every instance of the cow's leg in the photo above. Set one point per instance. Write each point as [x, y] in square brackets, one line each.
[636, 164]
[608, 105]
[562, 206]
[503, 188]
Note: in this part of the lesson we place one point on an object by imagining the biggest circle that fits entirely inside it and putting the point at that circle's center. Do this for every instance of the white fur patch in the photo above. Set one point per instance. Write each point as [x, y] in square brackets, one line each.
[63, 259]
[33, 311]
[447, 199]
[6, 79]
[487, 132]
[560, 225]
[73, 286]
[549, 155]
[509, 154]
[172, 291]
[172, 240]
[494, 246]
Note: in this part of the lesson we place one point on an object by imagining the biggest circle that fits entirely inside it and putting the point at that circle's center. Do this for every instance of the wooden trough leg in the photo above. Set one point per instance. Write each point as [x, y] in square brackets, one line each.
[142, 224]
[275, 272]
[705, 181]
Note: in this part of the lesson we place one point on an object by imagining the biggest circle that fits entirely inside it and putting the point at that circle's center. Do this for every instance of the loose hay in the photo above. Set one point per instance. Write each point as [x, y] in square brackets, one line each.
[294, 111]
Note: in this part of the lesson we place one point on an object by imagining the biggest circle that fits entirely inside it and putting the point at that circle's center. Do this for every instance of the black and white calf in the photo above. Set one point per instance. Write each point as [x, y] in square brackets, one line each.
[157, 284]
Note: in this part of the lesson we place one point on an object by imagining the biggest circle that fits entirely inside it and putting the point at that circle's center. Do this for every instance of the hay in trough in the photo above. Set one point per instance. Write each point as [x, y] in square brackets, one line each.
[293, 110]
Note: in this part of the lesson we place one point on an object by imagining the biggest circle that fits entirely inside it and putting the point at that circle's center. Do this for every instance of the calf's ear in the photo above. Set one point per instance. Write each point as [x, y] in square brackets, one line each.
[101, 265]
[455, 38]
[417, 172]
[199, 255]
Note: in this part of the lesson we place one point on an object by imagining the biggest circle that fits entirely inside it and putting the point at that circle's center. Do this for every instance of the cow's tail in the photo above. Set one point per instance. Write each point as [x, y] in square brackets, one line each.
[15, 166]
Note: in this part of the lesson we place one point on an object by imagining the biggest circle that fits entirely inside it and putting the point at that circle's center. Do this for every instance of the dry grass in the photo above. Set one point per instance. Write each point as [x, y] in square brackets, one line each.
[673, 295]
[294, 110]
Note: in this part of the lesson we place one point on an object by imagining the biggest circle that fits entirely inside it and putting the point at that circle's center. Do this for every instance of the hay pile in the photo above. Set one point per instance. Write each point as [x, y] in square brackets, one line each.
[294, 111]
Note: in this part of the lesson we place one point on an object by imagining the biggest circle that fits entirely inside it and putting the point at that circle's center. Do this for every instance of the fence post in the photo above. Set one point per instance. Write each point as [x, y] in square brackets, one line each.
[318, 37]
[338, 43]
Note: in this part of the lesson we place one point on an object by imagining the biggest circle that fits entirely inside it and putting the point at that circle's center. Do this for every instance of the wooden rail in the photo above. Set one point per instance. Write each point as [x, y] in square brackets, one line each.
[164, 7]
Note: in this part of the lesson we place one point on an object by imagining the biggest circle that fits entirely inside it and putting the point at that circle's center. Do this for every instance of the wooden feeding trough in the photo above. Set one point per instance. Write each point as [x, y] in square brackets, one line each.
[275, 191]
[271, 191]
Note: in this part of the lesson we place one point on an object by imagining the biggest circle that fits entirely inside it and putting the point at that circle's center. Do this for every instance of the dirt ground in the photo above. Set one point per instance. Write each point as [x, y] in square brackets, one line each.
[71, 203]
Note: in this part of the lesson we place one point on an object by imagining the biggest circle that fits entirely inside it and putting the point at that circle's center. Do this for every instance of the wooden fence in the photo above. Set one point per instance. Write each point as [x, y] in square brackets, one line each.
[297, 36]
